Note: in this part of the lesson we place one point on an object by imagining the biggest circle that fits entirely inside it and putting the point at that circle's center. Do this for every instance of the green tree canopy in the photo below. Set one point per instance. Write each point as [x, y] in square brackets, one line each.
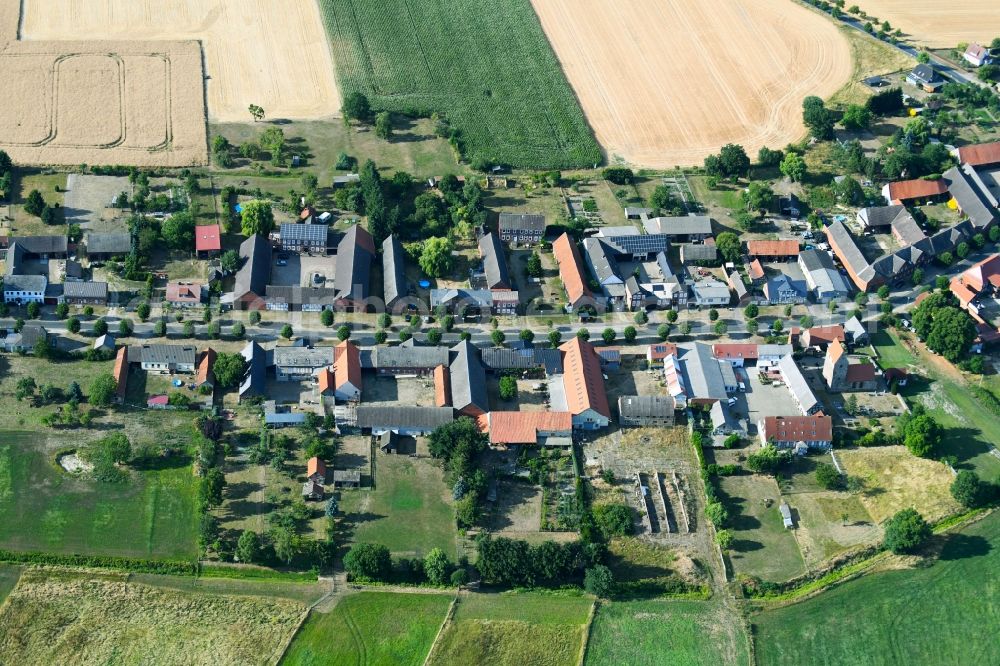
[257, 218]
[368, 561]
[356, 107]
[229, 369]
[906, 531]
[435, 256]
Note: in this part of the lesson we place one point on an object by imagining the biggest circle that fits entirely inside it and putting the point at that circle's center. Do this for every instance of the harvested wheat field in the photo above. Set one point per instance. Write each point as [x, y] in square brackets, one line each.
[273, 53]
[79, 618]
[667, 83]
[936, 23]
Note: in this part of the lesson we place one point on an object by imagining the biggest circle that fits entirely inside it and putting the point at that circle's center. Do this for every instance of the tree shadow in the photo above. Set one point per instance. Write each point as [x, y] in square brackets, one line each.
[961, 546]
[241, 489]
[746, 545]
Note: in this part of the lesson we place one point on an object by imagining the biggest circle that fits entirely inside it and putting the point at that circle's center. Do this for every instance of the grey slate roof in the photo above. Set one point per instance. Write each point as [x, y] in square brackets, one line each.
[296, 295]
[680, 226]
[503, 358]
[109, 243]
[850, 253]
[424, 418]
[162, 354]
[468, 378]
[86, 290]
[393, 270]
[704, 375]
[310, 233]
[645, 406]
[601, 261]
[522, 222]
[908, 231]
[494, 262]
[924, 73]
[354, 263]
[32, 333]
[413, 357]
[948, 239]
[819, 270]
[972, 194]
[698, 252]
[797, 384]
[15, 258]
[881, 216]
[41, 244]
[295, 356]
[34, 283]
[255, 273]
[255, 379]
[482, 298]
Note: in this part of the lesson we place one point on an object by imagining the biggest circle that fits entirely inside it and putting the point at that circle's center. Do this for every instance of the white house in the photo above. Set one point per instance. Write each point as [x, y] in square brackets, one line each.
[24, 288]
[977, 55]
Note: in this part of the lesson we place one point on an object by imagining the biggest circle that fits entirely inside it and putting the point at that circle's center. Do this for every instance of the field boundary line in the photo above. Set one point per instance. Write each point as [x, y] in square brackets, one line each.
[586, 632]
[291, 638]
[444, 623]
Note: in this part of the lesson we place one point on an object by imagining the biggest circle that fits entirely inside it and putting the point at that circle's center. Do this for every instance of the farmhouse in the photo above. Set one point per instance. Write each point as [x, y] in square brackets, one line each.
[528, 428]
[583, 386]
[683, 229]
[205, 375]
[342, 381]
[542, 359]
[571, 273]
[354, 259]
[310, 238]
[253, 383]
[980, 154]
[120, 373]
[756, 272]
[976, 290]
[23, 289]
[394, 285]
[925, 77]
[346, 478]
[646, 411]
[604, 268]
[914, 192]
[977, 55]
[163, 358]
[781, 290]
[41, 247]
[406, 421]
[825, 283]
[785, 432]
[85, 293]
[467, 379]
[972, 196]
[494, 263]
[878, 217]
[207, 240]
[821, 336]
[798, 386]
[735, 353]
[703, 375]
[299, 363]
[628, 242]
[295, 298]
[521, 229]
[472, 302]
[101, 246]
[316, 470]
[710, 292]
[25, 341]
[740, 292]
[841, 375]
[701, 253]
[409, 360]
[252, 278]
[656, 353]
[773, 250]
[184, 294]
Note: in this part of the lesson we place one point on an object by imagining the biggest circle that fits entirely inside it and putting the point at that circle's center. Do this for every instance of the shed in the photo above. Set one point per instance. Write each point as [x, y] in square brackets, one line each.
[786, 515]
[346, 478]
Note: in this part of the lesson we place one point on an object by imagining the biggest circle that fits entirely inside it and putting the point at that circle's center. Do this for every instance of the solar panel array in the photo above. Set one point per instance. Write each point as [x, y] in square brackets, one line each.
[644, 244]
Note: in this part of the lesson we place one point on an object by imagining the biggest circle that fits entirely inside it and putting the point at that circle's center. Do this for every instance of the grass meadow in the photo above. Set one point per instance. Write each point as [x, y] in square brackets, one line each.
[409, 511]
[493, 74]
[42, 508]
[370, 628]
[514, 630]
[55, 616]
[944, 613]
[650, 633]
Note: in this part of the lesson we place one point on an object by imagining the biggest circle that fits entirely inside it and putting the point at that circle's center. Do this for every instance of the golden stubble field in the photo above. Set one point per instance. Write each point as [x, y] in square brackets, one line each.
[667, 83]
[273, 53]
[936, 23]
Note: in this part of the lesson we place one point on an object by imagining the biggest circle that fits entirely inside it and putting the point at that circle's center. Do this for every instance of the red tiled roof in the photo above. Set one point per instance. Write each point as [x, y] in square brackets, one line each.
[523, 427]
[725, 352]
[824, 335]
[205, 373]
[306, 213]
[583, 379]
[981, 154]
[325, 380]
[442, 386]
[315, 466]
[905, 190]
[158, 401]
[183, 292]
[365, 240]
[817, 428]
[660, 351]
[756, 270]
[121, 371]
[772, 248]
[570, 269]
[207, 238]
[835, 350]
[347, 364]
[860, 372]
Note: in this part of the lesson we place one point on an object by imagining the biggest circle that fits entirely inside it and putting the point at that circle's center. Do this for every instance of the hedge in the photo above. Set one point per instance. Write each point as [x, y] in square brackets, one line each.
[171, 567]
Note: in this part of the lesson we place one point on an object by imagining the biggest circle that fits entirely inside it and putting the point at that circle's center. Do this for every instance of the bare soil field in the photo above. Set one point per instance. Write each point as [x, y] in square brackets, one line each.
[666, 84]
[938, 24]
[273, 53]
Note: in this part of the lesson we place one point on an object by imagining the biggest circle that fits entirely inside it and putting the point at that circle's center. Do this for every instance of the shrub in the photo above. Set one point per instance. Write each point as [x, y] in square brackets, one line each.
[599, 581]
[906, 531]
[614, 519]
[828, 477]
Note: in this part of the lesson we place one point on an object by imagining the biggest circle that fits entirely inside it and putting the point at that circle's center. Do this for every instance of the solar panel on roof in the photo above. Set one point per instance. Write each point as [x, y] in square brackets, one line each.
[640, 244]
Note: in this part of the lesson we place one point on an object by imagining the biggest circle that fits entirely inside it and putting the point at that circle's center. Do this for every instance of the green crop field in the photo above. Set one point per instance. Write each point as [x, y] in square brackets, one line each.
[408, 511]
[492, 73]
[666, 632]
[514, 630]
[370, 628]
[44, 509]
[942, 614]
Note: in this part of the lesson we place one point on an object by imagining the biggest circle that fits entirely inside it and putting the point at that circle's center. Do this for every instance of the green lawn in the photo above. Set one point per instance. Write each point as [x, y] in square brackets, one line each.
[409, 511]
[493, 73]
[514, 630]
[651, 633]
[43, 508]
[943, 614]
[370, 628]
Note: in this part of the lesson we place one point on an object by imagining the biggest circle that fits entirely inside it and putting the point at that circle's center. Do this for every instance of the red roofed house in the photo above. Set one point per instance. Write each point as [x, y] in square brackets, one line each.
[656, 353]
[822, 336]
[571, 272]
[735, 353]
[205, 375]
[784, 432]
[977, 55]
[908, 192]
[528, 428]
[841, 375]
[756, 272]
[157, 402]
[324, 381]
[184, 294]
[207, 240]
[316, 470]
[442, 386]
[784, 250]
[976, 287]
[347, 371]
[121, 372]
[583, 384]
[980, 154]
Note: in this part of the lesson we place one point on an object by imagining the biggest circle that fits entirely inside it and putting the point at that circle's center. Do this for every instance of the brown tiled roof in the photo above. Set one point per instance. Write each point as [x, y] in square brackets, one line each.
[798, 428]
[325, 379]
[824, 335]
[523, 427]
[315, 466]
[183, 292]
[347, 364]
[725, 352]
[442, 386]
[121, 371]
[981, 154]
[772, 248]
[661, 350]
[583, 378]
[205, 373]
[905, 190]
[860, 372]
[756, 270]
[570, 269]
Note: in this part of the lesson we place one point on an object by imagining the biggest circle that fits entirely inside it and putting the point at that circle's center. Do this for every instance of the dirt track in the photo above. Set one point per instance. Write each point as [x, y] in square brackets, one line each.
[937, 23]
[273, 53]
[667, 83]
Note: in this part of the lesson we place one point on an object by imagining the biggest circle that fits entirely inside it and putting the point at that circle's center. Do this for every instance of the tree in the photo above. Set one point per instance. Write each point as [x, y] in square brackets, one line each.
[368, 561]
[188, 329]
[614, 519]
[343, 332]
[555, 337]
[729, 246]
[211, 487]
[254, 317]
[733, 160]
[356, 107]
[73, 325]
[752, 326]
[716, 513]
[828, 477]
[230, 261]
[49, 215]
[970, 491]
[229, 369]
[125, 327]
[921, 434]
[713, 314]
[618, 175]
[751, 311]
[608, 335]
[599, 581]
[856, 117]
[102, 390]
[100, 327]
[662, 199]
[526, 335]
[533, 267]
[142, 311]
[721, 327]
[287, 332]
[435, 256]
[817, 118]
[769, 158]
[25, 388]
[498, 337]
[758, 197]
[724, 538]
[767, 460]
[178, 230]
[383, 125]
[437, 566]
[380, 336]
[434, 336]
[256, 112]
[952, 332]
[326, 317]
[248, 547]
[906, 531]
[160, 328]
[640, 317]
[629, 334]
[663, 332]
[257, 218]
[238, 330]
[34, 204]
[793, 167]
[583, 334]
[508, 387]
[33, 310]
